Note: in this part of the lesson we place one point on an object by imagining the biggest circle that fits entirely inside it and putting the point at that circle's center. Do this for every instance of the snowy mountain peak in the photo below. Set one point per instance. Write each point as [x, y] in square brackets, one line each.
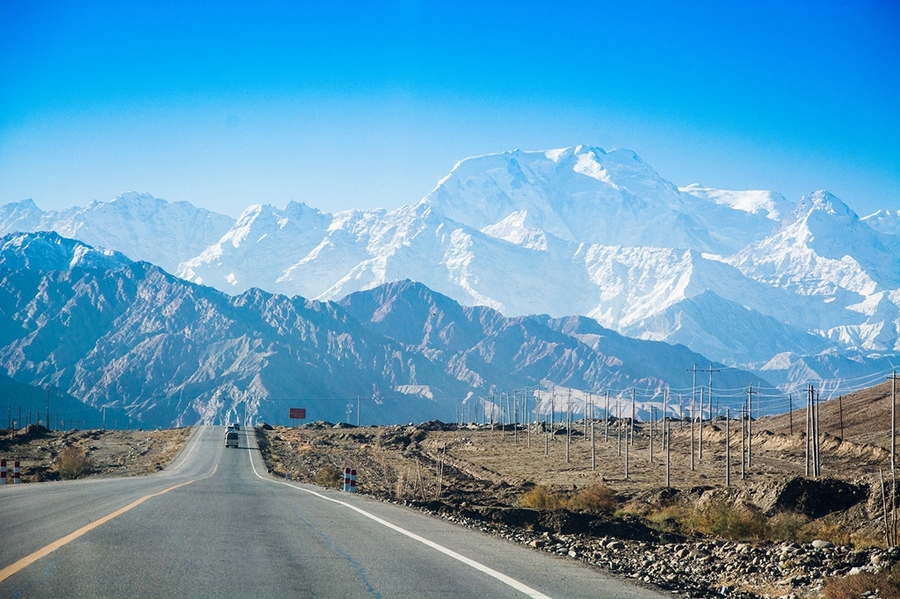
[826, 202]
[755, 201]
[47, 250]
[886, 222]
[586, 194]
[134, 223]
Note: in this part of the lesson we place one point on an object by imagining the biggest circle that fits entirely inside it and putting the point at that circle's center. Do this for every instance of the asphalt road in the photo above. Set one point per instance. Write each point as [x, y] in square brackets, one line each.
[214, 524]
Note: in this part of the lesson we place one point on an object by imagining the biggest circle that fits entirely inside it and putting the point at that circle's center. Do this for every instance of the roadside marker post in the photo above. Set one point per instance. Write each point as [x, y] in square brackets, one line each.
[17, 477]
[346, 480]
[2, 472]
[353, 480]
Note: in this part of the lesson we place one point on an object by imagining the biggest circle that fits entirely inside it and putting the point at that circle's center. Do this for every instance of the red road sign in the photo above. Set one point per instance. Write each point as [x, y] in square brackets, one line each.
[298, 413]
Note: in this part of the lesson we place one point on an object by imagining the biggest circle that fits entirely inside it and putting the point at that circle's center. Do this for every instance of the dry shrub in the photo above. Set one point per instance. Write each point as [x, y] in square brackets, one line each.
[542, 498]
[74, 462]
[828, 531]
[738, 523]
[791, 526]
[595, 498]
[887, 585]
[328, 476]
[670, 518]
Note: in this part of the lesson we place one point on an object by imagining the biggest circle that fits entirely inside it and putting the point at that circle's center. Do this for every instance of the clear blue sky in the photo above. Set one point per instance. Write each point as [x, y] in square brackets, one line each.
[364, 104]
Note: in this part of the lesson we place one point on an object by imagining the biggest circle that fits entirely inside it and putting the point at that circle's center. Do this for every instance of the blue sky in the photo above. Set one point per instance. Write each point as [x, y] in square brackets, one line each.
[363, 104]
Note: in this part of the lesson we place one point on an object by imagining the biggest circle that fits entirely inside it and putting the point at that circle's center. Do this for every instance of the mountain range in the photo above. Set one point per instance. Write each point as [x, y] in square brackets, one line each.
[797, 293]
[130, 337]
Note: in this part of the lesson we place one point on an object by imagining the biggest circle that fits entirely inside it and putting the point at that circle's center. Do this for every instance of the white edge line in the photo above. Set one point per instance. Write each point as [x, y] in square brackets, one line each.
[194, 438]
[521, 587]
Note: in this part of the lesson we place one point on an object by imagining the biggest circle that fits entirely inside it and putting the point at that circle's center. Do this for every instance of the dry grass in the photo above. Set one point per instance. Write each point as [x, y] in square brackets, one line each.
[329, 477]
[542, 498]
[885, 585]
[73, 462]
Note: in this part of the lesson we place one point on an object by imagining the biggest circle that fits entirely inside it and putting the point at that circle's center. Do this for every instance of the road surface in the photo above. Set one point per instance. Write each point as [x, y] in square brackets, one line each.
[215, 524]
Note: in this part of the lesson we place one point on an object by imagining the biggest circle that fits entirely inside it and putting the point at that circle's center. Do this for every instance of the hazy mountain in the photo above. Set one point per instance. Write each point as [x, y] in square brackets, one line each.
[138, 225]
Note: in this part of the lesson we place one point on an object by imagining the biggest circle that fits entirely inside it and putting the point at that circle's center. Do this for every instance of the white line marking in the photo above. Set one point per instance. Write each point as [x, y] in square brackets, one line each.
[521, 587]
[195, 439]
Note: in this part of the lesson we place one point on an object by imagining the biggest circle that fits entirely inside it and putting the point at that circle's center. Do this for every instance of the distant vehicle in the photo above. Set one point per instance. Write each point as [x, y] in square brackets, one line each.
[237, 426]
[231, 438]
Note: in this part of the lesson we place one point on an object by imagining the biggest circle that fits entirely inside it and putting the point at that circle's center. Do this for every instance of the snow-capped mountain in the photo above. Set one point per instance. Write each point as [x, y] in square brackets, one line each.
[739, 276]
[138, 225]
[47, 250]
[588, 195]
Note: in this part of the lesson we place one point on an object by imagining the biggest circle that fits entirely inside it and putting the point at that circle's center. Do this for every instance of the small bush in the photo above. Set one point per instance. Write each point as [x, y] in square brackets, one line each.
[327, 476]
[74, 462]
[542, 498]
[790, 526]
[595, 498]
[730, 522]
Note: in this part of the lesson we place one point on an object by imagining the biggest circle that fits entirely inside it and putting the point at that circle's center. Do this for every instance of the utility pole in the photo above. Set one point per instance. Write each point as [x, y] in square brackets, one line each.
[357, 411]
[893, 418]
[529, 423]
[700, 448]
[515, 417]
[568, 423]
[750, 426]
[727, 447]
[606, 427]
[633, 414]
[665, 415]
[48, 408]
[668, 449]
[841, 410]
[709, 399]
[693, 410]
[809, 428]
[791, 412]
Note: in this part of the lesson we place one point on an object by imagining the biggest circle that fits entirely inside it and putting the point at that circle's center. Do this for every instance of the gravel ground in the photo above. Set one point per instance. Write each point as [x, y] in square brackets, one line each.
[108, 453]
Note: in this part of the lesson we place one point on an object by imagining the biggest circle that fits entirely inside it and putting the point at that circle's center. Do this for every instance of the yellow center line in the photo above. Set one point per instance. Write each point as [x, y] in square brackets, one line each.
[47, 550]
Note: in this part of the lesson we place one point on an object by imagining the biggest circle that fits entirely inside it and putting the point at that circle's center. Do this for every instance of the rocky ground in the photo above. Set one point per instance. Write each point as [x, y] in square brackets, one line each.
[798, 536]
[100, 452]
